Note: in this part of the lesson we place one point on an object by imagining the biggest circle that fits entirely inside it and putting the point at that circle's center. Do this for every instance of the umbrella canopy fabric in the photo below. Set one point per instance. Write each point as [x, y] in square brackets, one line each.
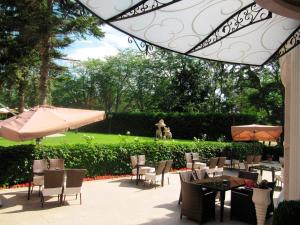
[234, 31]
[255, 132]
[45, 120]
[4, 111]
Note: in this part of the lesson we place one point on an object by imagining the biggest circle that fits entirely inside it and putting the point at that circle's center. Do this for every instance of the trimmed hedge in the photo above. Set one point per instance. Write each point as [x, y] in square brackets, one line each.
[103, 159]
[183, 125]
[287, 213]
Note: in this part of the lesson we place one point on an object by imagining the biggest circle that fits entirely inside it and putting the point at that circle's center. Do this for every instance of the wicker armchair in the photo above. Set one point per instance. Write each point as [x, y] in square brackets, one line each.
[53, 184]
[37, 178]
[197, 204]
[220, 166]
[157, 176]
[74, 183]
[166, 173]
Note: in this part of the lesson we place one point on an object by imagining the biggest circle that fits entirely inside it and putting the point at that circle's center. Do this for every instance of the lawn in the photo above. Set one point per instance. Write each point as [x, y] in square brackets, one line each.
[80, 137]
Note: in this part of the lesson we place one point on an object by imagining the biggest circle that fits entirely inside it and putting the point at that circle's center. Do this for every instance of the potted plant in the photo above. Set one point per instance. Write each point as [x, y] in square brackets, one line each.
[261, 199]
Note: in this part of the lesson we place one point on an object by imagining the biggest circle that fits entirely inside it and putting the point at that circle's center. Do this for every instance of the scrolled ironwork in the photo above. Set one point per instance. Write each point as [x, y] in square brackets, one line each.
[247, 16]
[292, 42]
[142, 46]
[143, 8]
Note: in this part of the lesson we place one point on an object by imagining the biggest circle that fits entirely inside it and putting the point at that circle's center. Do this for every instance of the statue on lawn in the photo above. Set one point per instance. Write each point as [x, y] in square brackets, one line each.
[162, 131]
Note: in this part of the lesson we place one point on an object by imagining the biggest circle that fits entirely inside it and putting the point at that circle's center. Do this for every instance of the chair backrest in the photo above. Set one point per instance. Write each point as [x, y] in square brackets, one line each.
[213, 162]
[249, 159]
[195, 156]
[188, 157]
[39, 165]
[56, 164]
[221, 162]
[185, 176]
[75, 177]
[141, 159]
[161, 167]
[248, 175]
[133, 161]
[257, 159]
[168, 166]
[53, 178]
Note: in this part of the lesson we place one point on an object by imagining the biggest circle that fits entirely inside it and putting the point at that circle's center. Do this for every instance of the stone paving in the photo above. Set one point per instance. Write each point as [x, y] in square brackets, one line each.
[106, 202]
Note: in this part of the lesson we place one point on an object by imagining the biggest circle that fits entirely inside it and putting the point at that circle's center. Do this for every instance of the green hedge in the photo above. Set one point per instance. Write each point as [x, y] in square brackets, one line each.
[287, 213]
[101, 159]
[183, 125]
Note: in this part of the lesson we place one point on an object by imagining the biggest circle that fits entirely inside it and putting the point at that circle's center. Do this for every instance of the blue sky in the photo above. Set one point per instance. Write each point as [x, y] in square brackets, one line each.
[111, 44]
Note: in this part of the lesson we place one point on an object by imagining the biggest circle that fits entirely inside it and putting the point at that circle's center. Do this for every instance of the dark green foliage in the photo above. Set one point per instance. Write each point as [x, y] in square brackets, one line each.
[287, 213]
[183, 125]
[100, 159]
[15, 164]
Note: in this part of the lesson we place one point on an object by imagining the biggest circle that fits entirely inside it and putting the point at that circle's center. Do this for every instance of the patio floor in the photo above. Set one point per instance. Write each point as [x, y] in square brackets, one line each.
[107, 202]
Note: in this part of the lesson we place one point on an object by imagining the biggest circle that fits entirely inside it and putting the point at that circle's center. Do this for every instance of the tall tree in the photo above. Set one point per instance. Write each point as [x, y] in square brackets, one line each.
[63, 21]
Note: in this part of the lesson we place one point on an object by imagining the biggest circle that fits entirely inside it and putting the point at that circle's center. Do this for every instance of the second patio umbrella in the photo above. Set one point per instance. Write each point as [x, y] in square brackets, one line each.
[44, 120]
[255, 132]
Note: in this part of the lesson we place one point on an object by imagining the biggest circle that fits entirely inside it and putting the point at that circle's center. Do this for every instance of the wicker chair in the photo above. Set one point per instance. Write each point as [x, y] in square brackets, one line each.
[246, 164]
[242, 207]
[155, 177]
[256, 161]
[141, 160]
[53, 184]
[37, 178]
[193, 161]
[55, 164]
[220, 166]
[166, 173]
[211, 169]
[196, 204]
[187, 176]
[74, 183]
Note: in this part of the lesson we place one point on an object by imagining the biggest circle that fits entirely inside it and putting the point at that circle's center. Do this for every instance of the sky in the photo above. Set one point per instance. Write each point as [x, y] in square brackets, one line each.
[110, 45]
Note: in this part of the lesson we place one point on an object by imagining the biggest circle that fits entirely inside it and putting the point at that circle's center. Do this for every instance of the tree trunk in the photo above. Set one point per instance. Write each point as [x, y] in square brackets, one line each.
[45, 60]
[21, 95]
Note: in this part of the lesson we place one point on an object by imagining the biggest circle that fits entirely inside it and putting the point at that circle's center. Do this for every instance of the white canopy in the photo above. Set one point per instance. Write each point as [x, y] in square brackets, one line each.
[235, 31]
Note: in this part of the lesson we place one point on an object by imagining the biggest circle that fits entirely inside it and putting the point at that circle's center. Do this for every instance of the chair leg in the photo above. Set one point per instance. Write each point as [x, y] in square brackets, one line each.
[40, 190]
[181, 216]
[76, 196]
[80, 199]
[65, 199]
[42, 201]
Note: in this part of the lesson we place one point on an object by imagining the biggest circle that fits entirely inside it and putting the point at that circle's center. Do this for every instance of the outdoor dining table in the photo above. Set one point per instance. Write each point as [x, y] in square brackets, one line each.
[272, 166]
[222, 184]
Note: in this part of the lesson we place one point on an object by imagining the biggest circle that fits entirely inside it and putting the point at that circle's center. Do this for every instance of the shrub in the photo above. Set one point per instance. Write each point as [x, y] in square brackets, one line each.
[183, 125]
[287, 213]
[100, 159]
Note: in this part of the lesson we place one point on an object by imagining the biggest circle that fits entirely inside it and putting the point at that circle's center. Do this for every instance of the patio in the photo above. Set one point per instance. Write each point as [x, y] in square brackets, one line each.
[110, 202]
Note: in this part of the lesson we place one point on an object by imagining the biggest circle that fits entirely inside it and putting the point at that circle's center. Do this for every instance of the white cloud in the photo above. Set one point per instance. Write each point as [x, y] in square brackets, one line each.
[110, 45]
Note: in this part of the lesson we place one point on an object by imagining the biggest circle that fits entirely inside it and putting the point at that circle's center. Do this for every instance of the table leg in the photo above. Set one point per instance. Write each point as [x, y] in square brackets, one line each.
[273, 174]
[261, 171]
[137, 175]
[29, 185]
[222, 196]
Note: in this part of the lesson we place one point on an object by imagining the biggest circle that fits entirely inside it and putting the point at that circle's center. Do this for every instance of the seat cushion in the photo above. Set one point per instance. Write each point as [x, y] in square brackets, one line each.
[52, 191]
[72, 190]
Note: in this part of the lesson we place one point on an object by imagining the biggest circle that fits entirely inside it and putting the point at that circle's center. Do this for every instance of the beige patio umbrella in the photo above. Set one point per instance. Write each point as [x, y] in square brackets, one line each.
[255, 132]
[44, 120]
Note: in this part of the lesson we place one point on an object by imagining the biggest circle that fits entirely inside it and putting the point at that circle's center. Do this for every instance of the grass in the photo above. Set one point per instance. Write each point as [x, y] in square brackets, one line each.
[80, 137]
